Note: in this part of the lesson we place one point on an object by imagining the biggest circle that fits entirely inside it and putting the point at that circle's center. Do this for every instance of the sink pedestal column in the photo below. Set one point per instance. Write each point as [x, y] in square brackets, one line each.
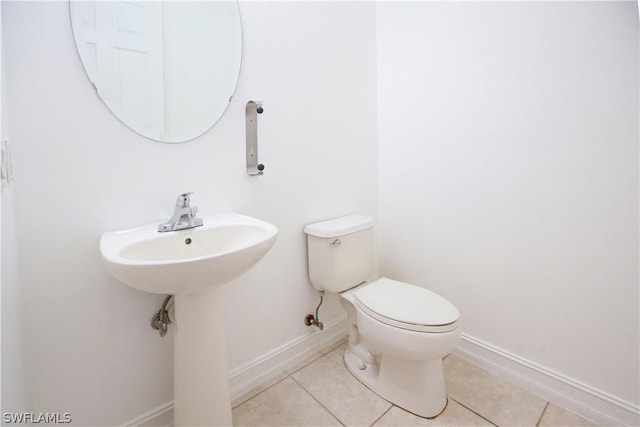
[201, 377]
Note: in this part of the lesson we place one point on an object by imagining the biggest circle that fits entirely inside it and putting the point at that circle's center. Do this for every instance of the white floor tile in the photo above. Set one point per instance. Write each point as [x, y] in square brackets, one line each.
[284, 404]
[499, 401]
[328, 380]
[324, 393]
[555, 416]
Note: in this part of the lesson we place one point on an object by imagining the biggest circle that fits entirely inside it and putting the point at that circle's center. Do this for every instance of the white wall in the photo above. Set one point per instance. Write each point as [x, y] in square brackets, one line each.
[79, 172]
[12, 391]
[508, 149]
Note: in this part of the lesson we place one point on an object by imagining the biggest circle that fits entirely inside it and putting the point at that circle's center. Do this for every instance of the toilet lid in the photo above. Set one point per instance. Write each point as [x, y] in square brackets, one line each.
[407, 306]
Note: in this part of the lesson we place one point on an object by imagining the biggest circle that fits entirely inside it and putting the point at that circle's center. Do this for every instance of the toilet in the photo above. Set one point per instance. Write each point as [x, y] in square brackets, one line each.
[398, 332]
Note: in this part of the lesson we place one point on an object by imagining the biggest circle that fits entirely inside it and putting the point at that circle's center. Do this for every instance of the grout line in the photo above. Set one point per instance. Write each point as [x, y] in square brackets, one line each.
[477, 413]
[319, 403]
[382, 415]
[320, 354]
[290, 375]
[261, 391]
[542, 414]
[291, 371]
[315, 356]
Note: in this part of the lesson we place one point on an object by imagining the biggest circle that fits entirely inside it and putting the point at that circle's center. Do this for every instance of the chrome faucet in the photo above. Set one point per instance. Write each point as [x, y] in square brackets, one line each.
[183, 217]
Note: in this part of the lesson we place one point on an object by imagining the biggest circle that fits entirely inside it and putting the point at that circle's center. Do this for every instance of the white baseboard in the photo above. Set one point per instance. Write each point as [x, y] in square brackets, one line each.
[582, 399]
[260, 370]
[162, 416]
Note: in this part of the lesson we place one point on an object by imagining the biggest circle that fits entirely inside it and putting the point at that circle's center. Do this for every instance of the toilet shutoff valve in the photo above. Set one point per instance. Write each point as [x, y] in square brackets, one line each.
[311, 320]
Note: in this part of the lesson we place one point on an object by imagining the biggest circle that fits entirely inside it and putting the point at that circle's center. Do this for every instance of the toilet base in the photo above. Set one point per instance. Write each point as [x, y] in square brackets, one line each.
[415, 386]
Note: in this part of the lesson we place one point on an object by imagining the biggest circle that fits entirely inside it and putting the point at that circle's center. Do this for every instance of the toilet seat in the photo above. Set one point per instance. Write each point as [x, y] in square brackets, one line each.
[407, 306]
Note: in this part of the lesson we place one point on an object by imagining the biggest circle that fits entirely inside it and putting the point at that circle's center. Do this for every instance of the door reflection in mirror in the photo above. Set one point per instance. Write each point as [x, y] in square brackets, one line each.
[166, 69]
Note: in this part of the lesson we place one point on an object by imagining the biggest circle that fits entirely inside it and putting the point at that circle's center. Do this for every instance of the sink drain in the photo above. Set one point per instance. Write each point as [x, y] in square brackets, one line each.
[187, 241]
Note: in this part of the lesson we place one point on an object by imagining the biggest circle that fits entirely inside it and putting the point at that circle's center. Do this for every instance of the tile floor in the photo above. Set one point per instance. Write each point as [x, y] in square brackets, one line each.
[321, 392]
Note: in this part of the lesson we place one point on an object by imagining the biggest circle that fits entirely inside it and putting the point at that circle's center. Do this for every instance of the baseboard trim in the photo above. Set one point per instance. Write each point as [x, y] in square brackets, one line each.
[262, 369]
[162, 416]
[595, 405]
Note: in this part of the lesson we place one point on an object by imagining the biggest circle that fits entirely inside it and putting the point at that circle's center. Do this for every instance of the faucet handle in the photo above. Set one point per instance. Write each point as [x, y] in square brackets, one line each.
[184, 200]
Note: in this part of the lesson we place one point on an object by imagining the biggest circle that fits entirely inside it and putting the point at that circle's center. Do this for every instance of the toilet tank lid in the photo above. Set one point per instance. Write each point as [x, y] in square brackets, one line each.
[339, 226]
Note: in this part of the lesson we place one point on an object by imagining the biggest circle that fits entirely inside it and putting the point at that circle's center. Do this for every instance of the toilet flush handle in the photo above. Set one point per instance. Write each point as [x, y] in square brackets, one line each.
[336, 243]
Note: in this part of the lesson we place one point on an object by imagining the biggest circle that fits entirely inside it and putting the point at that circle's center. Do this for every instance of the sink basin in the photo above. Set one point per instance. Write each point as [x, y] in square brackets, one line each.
[187, 261]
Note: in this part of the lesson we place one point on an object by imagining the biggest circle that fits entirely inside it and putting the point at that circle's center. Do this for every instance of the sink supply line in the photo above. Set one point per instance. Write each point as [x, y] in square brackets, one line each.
[161, 320]
[310, 320]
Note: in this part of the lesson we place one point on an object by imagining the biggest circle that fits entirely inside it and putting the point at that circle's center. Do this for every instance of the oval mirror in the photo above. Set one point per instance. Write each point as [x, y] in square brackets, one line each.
[166, 69]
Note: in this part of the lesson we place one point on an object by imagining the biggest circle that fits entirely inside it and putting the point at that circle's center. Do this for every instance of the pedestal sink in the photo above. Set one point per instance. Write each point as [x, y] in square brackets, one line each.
[191, 264]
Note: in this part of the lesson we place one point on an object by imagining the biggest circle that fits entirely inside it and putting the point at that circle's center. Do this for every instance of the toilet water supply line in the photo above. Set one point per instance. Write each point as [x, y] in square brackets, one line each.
[315, 321]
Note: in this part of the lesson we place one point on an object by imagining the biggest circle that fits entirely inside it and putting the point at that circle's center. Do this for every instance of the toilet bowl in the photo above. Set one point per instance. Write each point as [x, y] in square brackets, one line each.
[400, 359]
[398, 332]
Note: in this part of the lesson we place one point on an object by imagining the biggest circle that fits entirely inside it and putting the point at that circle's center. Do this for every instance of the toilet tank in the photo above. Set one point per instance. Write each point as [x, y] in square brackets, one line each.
[340, 252]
